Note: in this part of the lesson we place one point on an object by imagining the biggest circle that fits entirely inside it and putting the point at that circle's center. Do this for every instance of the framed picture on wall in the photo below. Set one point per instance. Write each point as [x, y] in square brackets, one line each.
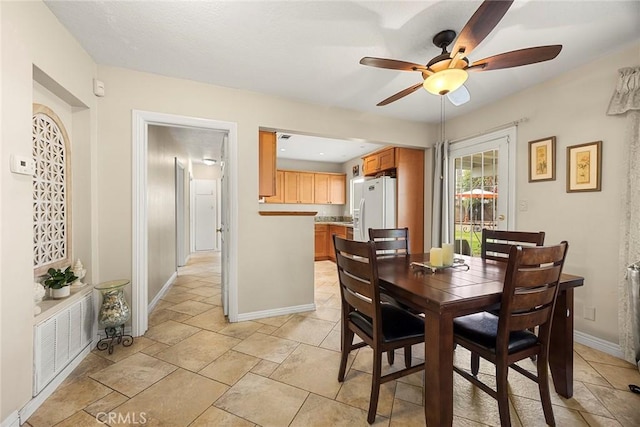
[542, 159]
[356, 170]
[584, 167]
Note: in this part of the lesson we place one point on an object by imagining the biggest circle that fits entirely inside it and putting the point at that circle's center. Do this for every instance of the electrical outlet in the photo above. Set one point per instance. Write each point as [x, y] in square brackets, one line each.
[523, 205]
[589, 313]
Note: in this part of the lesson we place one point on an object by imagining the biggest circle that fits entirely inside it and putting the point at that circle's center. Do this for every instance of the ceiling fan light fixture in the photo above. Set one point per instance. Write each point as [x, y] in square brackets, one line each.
[209, 162]
[445, 81]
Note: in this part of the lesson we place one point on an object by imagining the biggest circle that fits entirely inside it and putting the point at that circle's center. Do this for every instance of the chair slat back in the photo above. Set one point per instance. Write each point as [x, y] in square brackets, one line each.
[390, 240]
[530, 290]
[496, 244]
[358, 276]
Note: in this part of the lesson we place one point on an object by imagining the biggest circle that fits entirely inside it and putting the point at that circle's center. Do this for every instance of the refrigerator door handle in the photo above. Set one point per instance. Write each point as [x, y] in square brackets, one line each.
[362, 236]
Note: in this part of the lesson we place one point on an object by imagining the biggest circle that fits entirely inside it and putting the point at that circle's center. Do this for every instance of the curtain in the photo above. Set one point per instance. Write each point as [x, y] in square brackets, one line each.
[626, 101]
[440, 217]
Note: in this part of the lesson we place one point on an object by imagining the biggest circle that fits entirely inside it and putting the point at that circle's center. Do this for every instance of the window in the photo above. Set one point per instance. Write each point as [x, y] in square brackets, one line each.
[51, 191]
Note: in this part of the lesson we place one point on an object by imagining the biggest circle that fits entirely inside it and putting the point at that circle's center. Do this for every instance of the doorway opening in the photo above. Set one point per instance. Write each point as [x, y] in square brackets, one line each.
[141, 122]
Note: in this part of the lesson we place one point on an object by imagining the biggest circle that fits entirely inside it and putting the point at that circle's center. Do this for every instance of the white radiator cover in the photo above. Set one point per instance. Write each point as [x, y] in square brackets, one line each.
[59, 339]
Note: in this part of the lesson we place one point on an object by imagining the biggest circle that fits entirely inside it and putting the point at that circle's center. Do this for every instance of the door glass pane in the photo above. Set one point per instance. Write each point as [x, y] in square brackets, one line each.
[475, 199]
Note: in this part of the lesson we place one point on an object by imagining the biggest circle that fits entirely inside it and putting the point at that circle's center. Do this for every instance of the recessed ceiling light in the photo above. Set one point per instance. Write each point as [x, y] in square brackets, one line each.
[209, 162]
[282, 149]
[322, 154]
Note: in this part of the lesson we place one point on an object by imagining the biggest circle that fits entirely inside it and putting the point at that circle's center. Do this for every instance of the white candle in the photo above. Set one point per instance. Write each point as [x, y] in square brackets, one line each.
[447, 253]
[435, 257]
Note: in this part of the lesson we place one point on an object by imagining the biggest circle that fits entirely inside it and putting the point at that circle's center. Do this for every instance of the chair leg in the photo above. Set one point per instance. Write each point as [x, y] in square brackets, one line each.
[475, 364]
[407, 356]
[391, 356]
[375, 386]
[347, 341]
[543, 386]
[502, 394]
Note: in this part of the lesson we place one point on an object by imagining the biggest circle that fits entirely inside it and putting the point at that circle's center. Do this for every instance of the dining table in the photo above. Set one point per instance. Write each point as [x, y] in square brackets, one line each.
[471, 285]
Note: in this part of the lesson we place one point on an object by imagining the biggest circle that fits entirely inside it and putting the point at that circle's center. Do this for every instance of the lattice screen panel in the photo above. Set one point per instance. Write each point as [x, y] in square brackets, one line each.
[50, 192]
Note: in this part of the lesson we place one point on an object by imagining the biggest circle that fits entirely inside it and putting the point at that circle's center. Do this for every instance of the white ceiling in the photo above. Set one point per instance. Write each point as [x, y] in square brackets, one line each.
[305, 147]
[309, 50]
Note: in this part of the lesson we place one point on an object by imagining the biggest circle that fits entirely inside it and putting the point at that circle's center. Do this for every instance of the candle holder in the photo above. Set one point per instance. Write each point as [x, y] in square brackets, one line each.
[114, 313]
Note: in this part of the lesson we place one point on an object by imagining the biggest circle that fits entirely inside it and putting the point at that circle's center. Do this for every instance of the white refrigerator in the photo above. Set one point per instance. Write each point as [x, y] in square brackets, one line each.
[376, 207]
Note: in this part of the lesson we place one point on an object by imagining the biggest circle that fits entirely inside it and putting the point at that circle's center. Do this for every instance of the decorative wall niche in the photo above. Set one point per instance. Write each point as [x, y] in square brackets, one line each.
[51, 191]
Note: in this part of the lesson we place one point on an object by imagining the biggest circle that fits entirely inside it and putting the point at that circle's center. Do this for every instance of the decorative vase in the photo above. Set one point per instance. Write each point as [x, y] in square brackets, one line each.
[114, 310]
[114, 313]
[59, 293]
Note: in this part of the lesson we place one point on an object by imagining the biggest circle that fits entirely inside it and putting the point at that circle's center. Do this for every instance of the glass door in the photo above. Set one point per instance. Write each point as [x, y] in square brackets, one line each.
[481, 188]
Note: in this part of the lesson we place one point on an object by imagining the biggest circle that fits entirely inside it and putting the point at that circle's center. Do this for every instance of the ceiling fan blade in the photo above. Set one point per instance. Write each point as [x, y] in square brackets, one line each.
[459, 96]
[400, 94]
[516, 58]
[392, 64]
[480, 25]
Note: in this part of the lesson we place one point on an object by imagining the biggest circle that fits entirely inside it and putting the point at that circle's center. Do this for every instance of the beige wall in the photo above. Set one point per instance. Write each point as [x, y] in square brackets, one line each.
[32, 36]
[162, 150]
[266, 278]
[571, 108]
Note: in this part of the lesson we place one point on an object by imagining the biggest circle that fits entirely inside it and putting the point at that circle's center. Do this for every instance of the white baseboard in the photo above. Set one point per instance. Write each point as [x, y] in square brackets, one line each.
[598, 344]
[36, 401]
[163, 291]
[276, 312]
[13, 420]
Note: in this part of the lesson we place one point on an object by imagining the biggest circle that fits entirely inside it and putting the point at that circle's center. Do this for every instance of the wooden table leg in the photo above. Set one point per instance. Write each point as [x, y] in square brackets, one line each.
[561, 344]
[438, 382]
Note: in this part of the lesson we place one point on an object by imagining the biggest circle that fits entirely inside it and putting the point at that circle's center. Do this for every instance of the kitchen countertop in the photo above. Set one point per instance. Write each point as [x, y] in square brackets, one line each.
[345, 224]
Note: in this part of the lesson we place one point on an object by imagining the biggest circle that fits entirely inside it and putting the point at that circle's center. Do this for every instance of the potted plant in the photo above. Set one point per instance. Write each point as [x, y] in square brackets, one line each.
[58, 282]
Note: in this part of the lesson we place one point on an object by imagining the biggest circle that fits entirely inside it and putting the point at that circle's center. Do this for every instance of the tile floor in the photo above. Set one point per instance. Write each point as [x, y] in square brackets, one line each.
[192, 368]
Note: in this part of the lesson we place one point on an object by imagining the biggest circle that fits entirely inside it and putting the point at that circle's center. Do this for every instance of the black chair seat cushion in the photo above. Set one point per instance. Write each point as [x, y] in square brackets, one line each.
[482, 328]
[396, 323]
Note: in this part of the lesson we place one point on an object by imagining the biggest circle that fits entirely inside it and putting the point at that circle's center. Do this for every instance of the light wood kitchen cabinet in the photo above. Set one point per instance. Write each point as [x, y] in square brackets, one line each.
[379, 161]
[279, 197]
[324, 248]
[266, 164]
[321, 242]
[410, 195]
[298, 187]
[340, 231]
[330, 188]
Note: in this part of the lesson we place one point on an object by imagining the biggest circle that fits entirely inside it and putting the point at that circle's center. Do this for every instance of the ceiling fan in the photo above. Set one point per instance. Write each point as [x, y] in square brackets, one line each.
[446, 73]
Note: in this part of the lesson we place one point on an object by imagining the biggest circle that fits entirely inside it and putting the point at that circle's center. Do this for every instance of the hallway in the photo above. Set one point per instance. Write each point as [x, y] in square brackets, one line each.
[192, 368]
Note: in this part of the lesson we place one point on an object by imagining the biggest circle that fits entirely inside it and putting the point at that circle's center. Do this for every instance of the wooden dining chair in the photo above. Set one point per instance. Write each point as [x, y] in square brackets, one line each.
[382, 326]
[497, 243]
[390, 240]
[528, 300]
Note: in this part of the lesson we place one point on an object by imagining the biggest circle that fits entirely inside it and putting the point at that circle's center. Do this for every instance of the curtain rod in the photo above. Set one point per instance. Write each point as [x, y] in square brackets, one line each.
[493, 129]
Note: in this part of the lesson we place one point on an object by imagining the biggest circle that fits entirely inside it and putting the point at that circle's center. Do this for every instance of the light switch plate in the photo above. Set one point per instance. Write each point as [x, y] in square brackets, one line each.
[23, 165]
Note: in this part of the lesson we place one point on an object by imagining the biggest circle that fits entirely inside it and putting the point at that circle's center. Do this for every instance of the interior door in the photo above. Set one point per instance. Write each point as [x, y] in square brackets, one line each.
[482, 187]
[224, 225]
[205, 215]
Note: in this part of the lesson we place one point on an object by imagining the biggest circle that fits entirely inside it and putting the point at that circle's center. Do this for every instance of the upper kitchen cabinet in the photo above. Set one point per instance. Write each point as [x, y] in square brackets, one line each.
[379, 161]
[330, 188]
[279, 197]
[267, 164]
[298, 187]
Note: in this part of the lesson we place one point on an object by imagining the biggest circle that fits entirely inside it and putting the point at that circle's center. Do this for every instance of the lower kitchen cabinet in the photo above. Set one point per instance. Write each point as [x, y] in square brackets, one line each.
[324, 240]
[321, 242]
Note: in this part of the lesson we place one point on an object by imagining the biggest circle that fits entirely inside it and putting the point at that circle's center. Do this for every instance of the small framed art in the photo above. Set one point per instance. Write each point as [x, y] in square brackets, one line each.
[584, 167]
[542, 159]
